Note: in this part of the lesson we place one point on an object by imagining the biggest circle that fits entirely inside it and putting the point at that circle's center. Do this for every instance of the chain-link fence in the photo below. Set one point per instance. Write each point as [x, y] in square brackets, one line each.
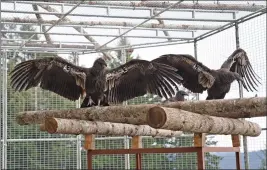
[27, 147]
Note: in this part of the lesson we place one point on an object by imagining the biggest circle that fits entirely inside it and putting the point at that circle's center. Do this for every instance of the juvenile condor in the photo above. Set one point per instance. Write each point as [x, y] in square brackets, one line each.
[178, 97]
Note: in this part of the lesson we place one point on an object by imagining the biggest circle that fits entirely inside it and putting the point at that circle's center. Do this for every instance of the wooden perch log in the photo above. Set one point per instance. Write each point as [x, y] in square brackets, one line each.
[74, 126]
[180, 120]
[231, 108]
[136, 114]
[117, 114]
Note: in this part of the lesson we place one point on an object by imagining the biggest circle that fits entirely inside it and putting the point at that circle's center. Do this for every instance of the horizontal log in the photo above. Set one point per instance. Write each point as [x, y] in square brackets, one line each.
[74, 126]
[62, 46]
[42, 127]
[136, 114]
[117, 114]
[112, 23]
[203, 6]
[180, 120]
[231, 108]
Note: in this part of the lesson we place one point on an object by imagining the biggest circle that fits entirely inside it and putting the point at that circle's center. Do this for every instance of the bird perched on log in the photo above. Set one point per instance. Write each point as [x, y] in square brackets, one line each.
[198, 77]
[132, 79]
[178, 97]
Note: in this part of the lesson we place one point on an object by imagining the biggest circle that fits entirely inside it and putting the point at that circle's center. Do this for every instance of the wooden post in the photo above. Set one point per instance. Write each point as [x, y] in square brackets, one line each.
[89, 145]
[236, 143]
[199, 141]
[137, 143]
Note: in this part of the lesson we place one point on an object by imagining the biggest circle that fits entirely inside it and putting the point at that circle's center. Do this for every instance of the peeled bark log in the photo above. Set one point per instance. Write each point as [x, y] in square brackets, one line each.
[207, 6]
[117, 114]
[180, 120]
[42, 127]
[51, 45]
[136, 114]
[74, 126]
[113, 23]
[231, 108]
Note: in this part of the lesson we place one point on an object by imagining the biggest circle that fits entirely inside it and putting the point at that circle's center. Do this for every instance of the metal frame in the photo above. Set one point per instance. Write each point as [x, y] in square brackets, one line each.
[65, 47]
[194, 14]
[199, 148]
[135, 46]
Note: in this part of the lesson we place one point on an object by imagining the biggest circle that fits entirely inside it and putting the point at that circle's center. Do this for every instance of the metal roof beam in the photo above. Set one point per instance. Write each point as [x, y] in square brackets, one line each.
[59, 46]
[112, 24]
[61, 18]
[145, 45]
[119, 16]
[97, 35]
[152, 17]
[50, 9]
[44, 41]
[231, 24]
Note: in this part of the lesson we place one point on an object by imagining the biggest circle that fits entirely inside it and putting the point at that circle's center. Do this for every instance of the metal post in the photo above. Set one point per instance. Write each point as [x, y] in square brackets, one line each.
[4, 110]
[245, 145]
[1, 103]
[78, 138]
[35, 93]
[125, 138]
[1, 71]
[195, 53]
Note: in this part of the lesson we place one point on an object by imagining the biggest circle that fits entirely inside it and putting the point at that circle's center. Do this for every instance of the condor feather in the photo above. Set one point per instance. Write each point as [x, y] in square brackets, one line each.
[138, 77]
[198, 78]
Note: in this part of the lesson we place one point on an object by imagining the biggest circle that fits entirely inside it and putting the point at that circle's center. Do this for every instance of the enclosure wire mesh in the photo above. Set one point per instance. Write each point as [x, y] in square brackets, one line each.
[213, 51]
[254, 42]
[63, 154]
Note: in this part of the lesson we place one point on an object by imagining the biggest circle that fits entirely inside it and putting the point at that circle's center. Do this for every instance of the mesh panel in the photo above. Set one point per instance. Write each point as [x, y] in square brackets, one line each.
[32, 99]
[169, 160]
[214, 50]
[253, 40]
[106, 161]
[42, 155]
[30, 148]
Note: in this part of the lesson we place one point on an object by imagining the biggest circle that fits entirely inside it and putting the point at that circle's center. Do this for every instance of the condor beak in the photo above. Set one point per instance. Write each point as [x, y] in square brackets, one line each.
[105, 67]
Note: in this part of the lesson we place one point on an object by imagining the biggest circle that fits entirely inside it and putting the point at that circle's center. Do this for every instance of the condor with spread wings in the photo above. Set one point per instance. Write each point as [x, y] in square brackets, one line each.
[135, 78]
[198, 78]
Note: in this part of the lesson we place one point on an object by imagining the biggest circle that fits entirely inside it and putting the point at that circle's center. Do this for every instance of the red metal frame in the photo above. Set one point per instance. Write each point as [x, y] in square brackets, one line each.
[200, 150]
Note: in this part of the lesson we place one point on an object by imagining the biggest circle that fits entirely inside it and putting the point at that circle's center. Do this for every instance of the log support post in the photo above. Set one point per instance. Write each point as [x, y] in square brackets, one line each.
[89, 145]
[236, 143]
[199, 143]
[136, 144]
[200, 149]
